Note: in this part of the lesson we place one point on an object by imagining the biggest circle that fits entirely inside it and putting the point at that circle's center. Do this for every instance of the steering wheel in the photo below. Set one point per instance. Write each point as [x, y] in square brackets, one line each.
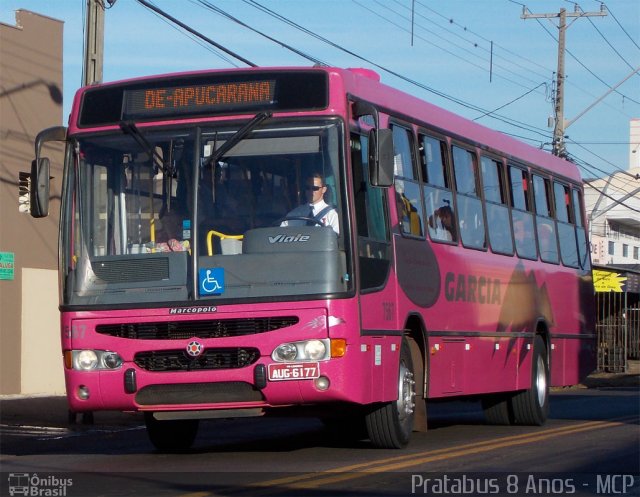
[298, 218]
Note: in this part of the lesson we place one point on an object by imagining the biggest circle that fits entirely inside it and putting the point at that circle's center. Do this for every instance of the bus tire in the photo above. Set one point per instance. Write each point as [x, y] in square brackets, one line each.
[497, 409]
[175, 435]
[531, 407]
[390, 424]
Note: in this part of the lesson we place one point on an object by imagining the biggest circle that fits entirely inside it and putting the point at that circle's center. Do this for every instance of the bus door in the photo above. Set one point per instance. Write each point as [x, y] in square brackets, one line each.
[377, 294]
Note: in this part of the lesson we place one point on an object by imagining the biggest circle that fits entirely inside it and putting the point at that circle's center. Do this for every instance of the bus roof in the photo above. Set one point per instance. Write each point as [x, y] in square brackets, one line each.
[365, 84]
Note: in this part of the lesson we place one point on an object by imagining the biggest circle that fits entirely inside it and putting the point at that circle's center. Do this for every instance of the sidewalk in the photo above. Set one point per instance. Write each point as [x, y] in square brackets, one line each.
[631, 378]
[52, 412]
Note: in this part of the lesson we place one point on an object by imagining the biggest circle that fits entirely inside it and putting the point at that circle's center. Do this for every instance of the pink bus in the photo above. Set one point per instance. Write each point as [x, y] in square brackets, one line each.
[439, 259]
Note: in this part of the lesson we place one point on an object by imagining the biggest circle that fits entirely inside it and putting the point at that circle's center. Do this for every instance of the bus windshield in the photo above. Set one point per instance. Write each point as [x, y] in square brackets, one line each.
[174, 215]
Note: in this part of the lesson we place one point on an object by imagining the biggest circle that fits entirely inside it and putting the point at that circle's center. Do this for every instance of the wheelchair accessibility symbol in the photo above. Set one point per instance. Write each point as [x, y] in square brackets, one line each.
[211, 281]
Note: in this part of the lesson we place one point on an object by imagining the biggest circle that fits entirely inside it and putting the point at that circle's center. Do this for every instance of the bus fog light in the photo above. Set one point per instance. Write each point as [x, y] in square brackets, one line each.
[322, 383]
[83, 392]
[285, 352]
[315, 350]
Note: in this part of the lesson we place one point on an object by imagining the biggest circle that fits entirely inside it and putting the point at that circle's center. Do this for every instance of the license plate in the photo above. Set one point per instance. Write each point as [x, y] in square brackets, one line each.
[283, 372]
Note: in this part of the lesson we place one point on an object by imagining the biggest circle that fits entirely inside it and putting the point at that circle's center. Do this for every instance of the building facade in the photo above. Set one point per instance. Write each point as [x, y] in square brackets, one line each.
[613, 210]
[30, 100]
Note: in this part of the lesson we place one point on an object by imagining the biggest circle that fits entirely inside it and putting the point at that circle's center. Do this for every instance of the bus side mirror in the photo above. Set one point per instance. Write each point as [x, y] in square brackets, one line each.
[381, 157]
[39, 187]
[40, 170]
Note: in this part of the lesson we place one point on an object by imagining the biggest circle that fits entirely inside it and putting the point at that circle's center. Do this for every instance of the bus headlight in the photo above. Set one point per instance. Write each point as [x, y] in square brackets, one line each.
[85, 360]
[89, 360]
[285, 352]
[306, 350]
[315, 350]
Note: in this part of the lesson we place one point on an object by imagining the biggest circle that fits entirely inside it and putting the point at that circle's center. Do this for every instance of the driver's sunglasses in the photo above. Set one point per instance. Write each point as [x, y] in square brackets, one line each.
[315, 188]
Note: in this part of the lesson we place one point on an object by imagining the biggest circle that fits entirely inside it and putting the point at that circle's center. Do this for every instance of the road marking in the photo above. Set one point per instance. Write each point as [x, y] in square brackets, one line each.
[55, 433]
[344, 473]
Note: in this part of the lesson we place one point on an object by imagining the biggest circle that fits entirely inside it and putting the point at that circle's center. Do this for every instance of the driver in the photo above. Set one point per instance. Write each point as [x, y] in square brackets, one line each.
[316, 212]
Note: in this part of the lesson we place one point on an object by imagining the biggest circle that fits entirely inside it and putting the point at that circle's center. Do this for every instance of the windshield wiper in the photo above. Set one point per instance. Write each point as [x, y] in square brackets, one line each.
[130, 128]
[238, 136]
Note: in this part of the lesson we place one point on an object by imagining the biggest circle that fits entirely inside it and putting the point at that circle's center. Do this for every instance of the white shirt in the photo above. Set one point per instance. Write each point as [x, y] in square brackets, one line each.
[330, 218]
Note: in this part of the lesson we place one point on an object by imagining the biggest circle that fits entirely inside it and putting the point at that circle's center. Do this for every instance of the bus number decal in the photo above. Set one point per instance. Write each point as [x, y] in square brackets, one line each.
[75, 331]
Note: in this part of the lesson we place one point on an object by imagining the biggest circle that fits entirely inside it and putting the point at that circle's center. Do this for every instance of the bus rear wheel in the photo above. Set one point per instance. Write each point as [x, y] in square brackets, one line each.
[531, 407]
[389, 425]
[497, 409]
[175, 435]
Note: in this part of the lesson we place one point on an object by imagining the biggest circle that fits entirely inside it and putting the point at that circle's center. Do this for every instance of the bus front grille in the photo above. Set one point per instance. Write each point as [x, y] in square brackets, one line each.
[198, 393]
[213, 358]
[181, 330]
[131, 270]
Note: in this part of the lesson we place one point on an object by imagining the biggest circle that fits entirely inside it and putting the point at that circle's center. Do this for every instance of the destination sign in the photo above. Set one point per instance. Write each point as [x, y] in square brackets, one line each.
[203, 95]
[197, 99]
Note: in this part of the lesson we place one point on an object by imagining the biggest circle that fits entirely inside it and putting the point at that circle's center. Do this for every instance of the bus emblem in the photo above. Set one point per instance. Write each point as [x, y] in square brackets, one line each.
[194, 348]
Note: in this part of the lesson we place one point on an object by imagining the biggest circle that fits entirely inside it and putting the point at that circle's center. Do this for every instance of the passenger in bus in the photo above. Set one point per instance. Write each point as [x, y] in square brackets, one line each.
[170, 231]
[316, 208]
[441, 224]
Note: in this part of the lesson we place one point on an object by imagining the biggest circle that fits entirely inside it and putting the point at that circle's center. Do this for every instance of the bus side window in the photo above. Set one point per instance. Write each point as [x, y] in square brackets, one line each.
[546, 226]
[583, 244]
[441, 219]
[566, 225]
[408, 195]
[495, 195]
[470, 208]
[371, 219]
[521, 216]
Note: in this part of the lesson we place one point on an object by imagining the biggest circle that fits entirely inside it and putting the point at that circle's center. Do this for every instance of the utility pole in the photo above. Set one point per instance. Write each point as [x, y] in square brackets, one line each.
[559, 126]
[94, 43]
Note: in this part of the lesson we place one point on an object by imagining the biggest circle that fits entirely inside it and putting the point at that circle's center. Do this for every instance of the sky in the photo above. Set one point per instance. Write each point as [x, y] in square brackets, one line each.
[477, 58]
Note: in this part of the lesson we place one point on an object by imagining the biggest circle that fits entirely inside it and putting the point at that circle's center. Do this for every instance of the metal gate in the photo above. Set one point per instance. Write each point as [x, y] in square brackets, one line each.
[611, 327]
[618, 318]
[632, 315]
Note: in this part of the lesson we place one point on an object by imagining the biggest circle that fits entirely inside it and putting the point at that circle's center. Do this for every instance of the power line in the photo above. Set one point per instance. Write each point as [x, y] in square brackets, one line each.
[439, 93]
[583, 65]
[467, 30]
[609, 43]
[195, 39]
[221, 12]
[481, 67]
[194, 32]
[622, 27]
[491, 114]
[510, 102]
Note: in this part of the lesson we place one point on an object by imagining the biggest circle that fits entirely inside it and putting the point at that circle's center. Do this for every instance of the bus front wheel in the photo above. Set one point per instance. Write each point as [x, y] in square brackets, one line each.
[389, 425]
[175, 435]
[531, 407]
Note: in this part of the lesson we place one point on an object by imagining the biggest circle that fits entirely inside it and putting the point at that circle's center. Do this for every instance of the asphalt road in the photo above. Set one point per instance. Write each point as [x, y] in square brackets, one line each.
[590, 446]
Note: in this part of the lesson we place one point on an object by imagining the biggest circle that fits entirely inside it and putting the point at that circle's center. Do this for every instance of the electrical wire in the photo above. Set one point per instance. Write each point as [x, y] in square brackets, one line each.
[496, 45]
[584, 66]
[621, 26]
[609, 43]
[228, 16]
[512, 122]
[510, 102]
[195, 39]
[468, 105]
[481, 67]
[194, 32]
